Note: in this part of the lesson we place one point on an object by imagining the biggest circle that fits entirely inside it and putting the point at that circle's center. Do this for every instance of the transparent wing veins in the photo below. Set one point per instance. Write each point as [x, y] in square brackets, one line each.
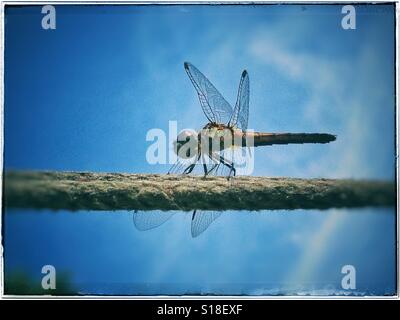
[215, 107]
[146, 220]
[240, 115]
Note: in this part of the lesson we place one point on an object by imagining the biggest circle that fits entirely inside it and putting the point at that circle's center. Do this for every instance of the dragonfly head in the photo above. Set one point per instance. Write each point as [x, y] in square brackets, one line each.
[186, 144]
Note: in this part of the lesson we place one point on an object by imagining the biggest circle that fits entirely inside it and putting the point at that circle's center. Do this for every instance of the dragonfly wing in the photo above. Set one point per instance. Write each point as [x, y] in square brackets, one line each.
[215, 107]
[202, 220]
[240, 115]
[146, 220]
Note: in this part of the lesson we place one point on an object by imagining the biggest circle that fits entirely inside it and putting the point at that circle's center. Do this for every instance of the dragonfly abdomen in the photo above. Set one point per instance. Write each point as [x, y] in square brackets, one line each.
[267, 139]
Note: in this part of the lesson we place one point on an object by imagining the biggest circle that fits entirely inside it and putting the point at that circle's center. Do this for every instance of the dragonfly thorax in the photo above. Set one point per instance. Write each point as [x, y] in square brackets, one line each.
[211, 139]
[217, 137]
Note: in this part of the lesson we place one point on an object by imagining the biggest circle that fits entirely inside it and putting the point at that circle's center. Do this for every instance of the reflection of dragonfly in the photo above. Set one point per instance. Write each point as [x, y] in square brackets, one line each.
[227, 126]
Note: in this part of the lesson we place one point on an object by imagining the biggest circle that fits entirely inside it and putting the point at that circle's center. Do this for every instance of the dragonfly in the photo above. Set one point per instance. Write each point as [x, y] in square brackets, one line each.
[212, 149]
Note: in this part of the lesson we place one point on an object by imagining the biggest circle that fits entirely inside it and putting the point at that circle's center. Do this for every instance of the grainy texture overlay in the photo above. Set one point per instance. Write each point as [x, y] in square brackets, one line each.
[119, 191]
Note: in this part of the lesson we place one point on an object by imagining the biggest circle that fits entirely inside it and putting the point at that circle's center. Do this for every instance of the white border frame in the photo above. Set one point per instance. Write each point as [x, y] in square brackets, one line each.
[196, 297]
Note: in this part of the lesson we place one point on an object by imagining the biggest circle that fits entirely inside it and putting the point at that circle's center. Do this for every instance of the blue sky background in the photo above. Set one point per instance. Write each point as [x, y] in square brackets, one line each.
[83, 96]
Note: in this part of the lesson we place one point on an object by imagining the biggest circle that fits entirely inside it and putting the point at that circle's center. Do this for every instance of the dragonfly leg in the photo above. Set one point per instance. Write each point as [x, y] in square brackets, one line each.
[230, 165]
[214, 166]
[225, 162]
[189, 169]
[204, 166]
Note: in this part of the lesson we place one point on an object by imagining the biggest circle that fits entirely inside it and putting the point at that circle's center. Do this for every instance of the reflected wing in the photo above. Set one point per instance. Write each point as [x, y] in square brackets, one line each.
[240, 116]
[146, 220]
[215, 107]
[202, 220]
